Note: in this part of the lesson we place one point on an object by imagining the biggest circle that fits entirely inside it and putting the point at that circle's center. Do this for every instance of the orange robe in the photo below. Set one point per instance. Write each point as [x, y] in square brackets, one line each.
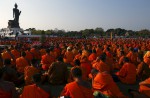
[33, 91]
[36, 53]
[68, 57]
[58, 51]
[78, 56]
[4, 94]
[29, 55]
[99, 51]
[86, 69]
[16, 53]
[46, 61]
[101, 66]
[147, 61]
[29, 71]
[21, 63]
[127, 73]
[92, 57]
[133, 57]
[144, 89]
[75, 91]
[42, 52]
[6, 55]
[104, 83]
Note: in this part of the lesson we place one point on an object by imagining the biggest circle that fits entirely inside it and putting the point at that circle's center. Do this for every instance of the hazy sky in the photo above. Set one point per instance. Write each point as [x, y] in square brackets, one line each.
[78, 14]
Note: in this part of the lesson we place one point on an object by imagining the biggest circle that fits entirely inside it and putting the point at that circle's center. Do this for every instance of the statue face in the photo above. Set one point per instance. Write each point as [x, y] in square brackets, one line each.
[16, 5]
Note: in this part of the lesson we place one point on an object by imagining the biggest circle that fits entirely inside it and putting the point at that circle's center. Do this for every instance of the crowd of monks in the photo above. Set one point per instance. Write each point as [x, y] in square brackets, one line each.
[82, 68]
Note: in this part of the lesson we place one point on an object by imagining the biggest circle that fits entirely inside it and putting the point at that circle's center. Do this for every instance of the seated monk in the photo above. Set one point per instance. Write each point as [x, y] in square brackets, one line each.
[42, 51]
[101, 65]
[29, 71]
[132, 55]
[79, 88]
[145, 87]
[147, 58]
[58, 72]
[78, 56]
[21, 63]
[103, 82]
[127, 73]
[16, 52]
[120, 63]
[36, 90]
[99, 50]
[8, 55]
[29, 55]
[144, 90]
[7, 89]
[47, 60]
[10, 73]
[85, 66]
[143, 70]
[36, 53]
[92, 56]
[68, 56]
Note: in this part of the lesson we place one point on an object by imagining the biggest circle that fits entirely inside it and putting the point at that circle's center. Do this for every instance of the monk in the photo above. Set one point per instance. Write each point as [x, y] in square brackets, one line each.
[36, 53]
[78, 56]
[79, 88]
[29, 55]
[58, 72]
[8, 55]
[144, 90]
[42, 51]
[119, 64]
[68, 56]
[132, 55]
[99, 50]
[101, 65]
[92, 56]
[147, 58]
[85, 66]
[143, 70]
[145, 87]
[36, 90]
[16, 52]
[103, 82]
[29, 71]
[7, 89]
[10, 73]
[21, 63]
[127, 73]
[47, 60]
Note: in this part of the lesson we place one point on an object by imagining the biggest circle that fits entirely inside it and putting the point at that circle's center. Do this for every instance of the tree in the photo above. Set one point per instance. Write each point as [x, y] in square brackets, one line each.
[144, 33]
[108, 32]
[99, 31]
[43, 37]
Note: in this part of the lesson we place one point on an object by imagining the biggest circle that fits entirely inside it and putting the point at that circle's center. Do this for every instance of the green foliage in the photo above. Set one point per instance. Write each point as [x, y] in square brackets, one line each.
[43, 37]
[92, 32]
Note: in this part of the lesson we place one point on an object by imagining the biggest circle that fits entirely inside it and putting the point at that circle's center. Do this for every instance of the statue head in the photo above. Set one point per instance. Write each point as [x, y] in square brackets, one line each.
[16, 5]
